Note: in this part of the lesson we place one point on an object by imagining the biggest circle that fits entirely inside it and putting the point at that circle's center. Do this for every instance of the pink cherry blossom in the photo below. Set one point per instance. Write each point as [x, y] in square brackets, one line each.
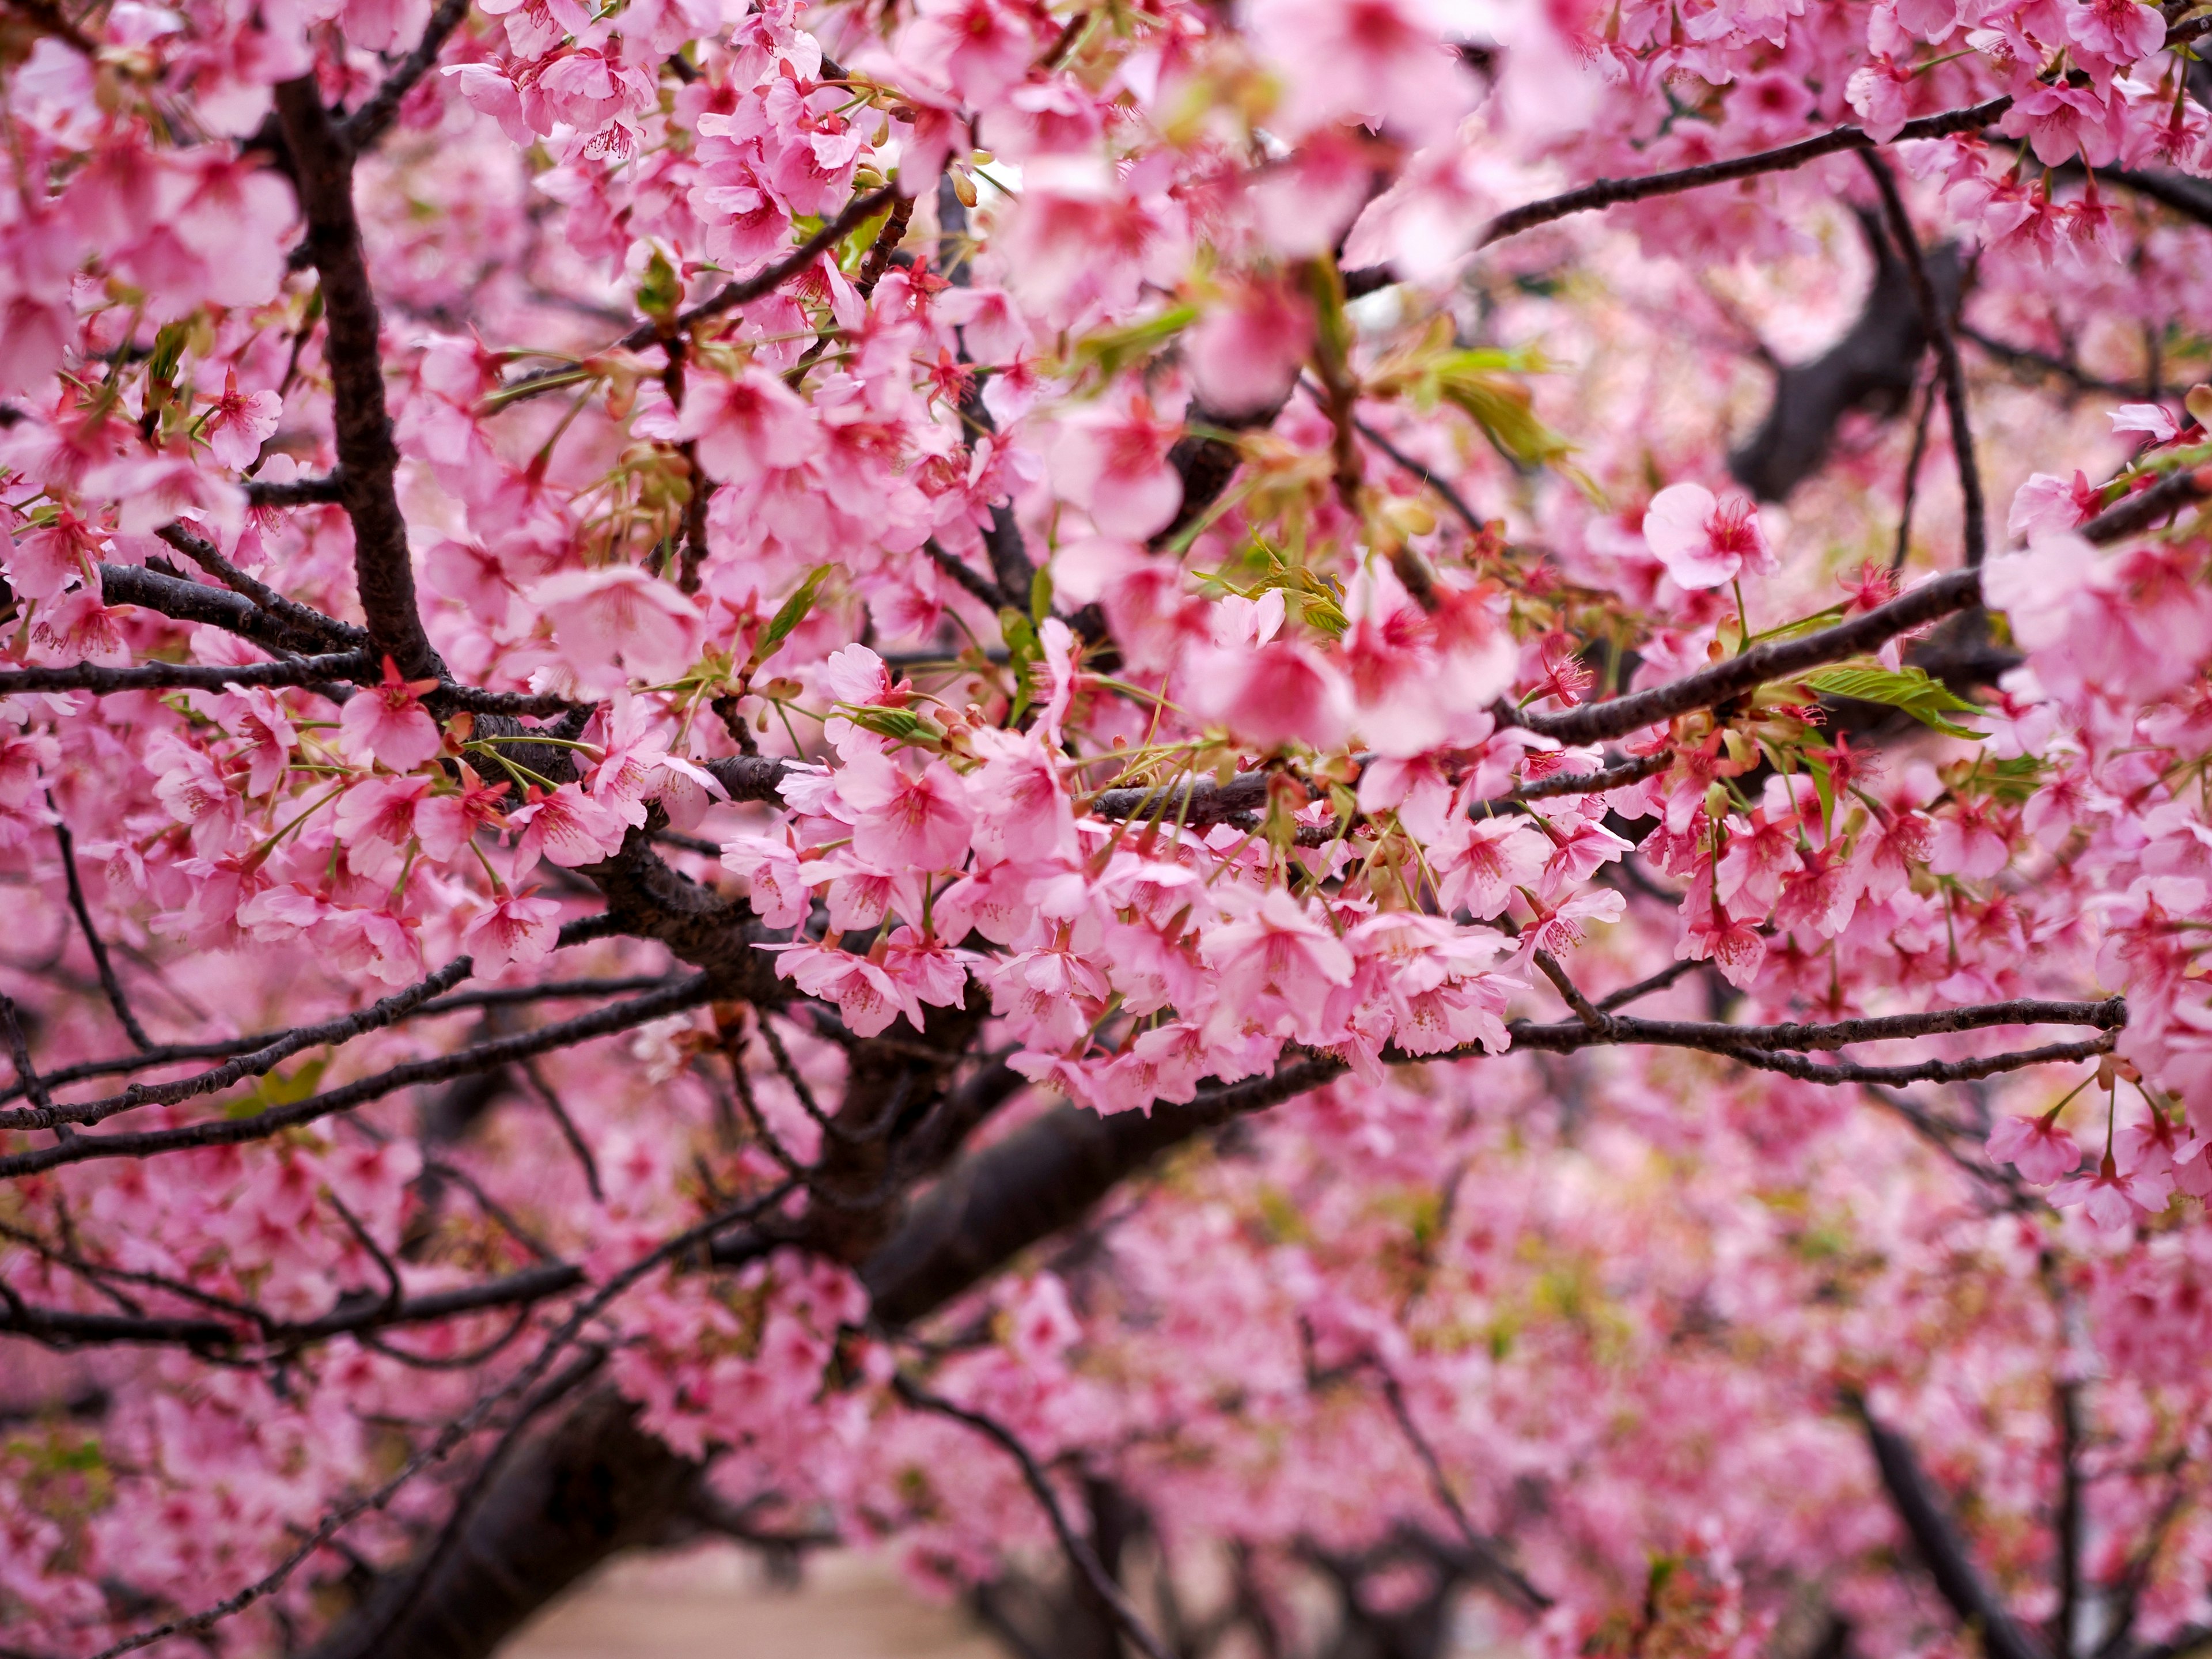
[2036, 1147]
[1703, 540]
[237, 424]
[618, 616]
[1113, 463]
[906, 820]
[387, 723]
[518, 929]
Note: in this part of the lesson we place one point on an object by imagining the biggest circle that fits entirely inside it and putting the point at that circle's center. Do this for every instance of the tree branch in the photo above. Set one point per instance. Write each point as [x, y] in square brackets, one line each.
[323, 675]
[231, 1131]
[1613, 193]
[383, 571]
[765, 281]
[1073, 1543]
[101, 965]
[1941, 1551]
[1485, 1549]
[1935, 321]
[359, 132]
[326, 490]
[297, 619]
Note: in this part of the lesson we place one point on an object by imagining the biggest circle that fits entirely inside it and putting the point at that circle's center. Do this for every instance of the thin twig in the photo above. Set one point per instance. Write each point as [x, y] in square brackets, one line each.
[1073, 1543]
[1937, 325]
[101, 965]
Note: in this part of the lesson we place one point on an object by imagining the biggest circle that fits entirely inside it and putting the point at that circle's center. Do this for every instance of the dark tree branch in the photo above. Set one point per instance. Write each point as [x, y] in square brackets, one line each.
[1613, 193]
[1489, 1557]
[2043, 365]
[299, 620]
[972, 582]
[1451, 497]
[1935, 321]
[2066, 1404]
[232, 1131]
[101, 965]
[1941, 1551]
[1777, 659]
[763, 282]
[2146, 507]
[1872, 367]
[385, 1011]
[198, 602]
[383, 571]
[169, 1053]
[323, 675]
[326, 490]
[1073, 1543]
[361, 131]
[1912, 489]
[448, 1439]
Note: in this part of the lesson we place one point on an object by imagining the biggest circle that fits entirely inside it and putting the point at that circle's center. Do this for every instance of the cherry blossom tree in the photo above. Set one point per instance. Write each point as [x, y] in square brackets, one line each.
[1275, 823]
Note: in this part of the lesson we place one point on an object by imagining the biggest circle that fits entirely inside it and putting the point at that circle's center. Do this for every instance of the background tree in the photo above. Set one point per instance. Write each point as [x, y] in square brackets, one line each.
[1035, 779]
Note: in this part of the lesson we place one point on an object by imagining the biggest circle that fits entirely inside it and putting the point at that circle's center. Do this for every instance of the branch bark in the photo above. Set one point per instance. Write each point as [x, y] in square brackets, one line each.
[383, 571]
[1921, 1509]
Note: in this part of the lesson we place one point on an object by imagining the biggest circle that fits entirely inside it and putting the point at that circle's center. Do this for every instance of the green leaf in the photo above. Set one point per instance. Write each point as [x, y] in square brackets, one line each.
[792, 613]
[660, 290]
[1022, 649]
[278, 1088]
[899, 725]
[1111, 349]
[1926, 700]
[1824, 786]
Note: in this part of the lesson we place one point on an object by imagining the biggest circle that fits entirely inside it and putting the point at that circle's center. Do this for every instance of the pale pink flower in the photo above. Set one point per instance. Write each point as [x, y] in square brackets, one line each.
[1703, 541]
[517, 928]
[376, 819]
[1049, 997]
[2036, 1146]
[237, 424]
[618, 615]
[906, 821]
[2154, 421]
[1245, 351]
[1377, 63]
[1559, 928]
[1880, 92]
[2123, 31]
[2049, 502]
[1281, 692]
[747, 424]
[567, 828]
[2059, 121]
[374, 942]
[775, 882]
[1481, 863]
[1113, 463]
[1709, 933]
[1021, 813]
[447, 822]
[2110, 1199]
[979, 48]
[266, 736]
[46, 559]
[387, 722]
[1277, 945]
[868, 998]
[78, 627]
[1578, 852]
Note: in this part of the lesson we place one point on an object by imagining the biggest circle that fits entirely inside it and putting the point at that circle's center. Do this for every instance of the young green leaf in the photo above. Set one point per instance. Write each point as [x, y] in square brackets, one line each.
[1926, 700]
